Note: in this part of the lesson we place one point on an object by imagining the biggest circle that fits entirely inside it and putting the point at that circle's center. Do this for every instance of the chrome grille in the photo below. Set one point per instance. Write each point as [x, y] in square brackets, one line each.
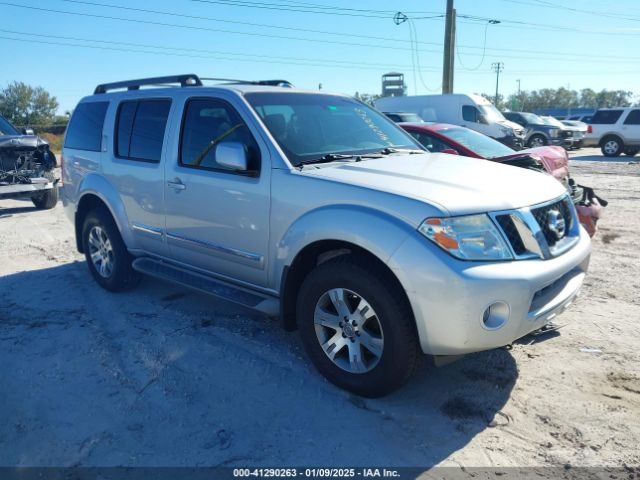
[542, 217]
[528, 230]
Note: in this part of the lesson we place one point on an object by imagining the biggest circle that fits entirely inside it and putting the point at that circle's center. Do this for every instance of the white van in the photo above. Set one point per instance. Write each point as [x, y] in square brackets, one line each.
[471, 111]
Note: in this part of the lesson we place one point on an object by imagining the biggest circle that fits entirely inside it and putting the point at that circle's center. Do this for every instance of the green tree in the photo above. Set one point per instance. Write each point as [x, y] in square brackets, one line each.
[368, 98]
[23, 104]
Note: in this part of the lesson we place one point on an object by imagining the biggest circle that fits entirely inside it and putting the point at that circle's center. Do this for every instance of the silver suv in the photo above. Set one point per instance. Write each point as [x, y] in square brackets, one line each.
[319, 210]
[615, 130]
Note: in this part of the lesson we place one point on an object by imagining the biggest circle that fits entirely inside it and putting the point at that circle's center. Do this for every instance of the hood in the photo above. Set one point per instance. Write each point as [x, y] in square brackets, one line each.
[553, 158]
[21, 142]
[510, 124]
[457, 185]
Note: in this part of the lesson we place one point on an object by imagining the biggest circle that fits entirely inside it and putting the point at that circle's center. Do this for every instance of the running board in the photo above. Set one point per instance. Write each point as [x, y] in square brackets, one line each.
[266, 304]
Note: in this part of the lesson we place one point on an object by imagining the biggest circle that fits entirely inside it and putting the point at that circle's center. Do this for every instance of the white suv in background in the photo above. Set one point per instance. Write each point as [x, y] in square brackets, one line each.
[615, 130]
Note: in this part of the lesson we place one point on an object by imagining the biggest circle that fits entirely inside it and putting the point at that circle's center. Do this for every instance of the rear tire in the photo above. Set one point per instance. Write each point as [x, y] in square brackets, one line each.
[611, 146]
[537, 141]
[380, 350]
[48, 199]
[107, 257]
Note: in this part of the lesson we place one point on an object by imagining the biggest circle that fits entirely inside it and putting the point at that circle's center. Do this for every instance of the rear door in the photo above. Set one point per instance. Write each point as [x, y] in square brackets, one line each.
[135, 167]
[218, 219]
[631, 127]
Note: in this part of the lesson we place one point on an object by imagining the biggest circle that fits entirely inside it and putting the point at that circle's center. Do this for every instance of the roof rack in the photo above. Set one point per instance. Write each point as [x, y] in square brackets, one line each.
[187, 80]
[271, 83]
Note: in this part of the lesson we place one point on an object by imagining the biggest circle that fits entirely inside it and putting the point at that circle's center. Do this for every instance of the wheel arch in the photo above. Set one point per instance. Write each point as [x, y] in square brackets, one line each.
[96, 192]
[371, 235]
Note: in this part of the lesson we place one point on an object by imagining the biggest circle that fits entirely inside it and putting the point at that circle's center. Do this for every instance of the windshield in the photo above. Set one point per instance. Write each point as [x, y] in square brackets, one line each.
[553, 121]
[411, 117]
[6, 128]
[310, 126]
[491, 113]
[480, 144]
[533, 119]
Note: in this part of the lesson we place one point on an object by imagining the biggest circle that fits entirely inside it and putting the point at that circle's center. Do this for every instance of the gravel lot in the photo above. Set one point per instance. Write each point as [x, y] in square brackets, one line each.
[165, 376]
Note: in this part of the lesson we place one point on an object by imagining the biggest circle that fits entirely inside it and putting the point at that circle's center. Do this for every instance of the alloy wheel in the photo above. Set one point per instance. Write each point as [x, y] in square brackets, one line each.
[101, 251]
[348, 330]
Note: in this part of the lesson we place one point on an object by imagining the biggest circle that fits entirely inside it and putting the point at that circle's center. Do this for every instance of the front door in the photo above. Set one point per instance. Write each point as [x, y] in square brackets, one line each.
[217, 219]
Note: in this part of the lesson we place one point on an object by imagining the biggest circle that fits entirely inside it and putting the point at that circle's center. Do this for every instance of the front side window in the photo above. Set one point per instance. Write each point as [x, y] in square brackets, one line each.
[633, 118]
[85, 128]
[310, 126]
[430, 142]
[140, 129]
[208, 122]
[469, 113]
[6, 128]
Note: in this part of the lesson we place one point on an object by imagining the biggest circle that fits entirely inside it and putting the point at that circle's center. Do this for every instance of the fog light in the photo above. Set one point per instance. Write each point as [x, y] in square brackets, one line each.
[495, 316]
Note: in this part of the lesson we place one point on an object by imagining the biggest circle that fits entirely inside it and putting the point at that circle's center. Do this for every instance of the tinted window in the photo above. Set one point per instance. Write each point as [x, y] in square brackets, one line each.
[140, 129]
[633, 118]
[6, 128]
[208, 122]
[394, 117]
[606, 117]
[469, 113]
[85, 128]
[124, 125]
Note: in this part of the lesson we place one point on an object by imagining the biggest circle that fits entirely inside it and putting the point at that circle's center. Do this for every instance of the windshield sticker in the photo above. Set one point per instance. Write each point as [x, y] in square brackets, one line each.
[379, 133]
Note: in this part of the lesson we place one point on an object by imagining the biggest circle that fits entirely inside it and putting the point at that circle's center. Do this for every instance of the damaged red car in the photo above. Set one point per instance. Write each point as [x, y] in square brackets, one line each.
[455, 140]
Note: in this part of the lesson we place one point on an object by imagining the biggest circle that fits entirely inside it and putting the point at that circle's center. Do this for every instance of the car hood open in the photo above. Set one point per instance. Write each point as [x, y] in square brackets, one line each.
[457, 185]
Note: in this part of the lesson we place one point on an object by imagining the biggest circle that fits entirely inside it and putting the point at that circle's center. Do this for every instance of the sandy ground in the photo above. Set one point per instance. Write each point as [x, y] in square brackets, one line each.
[165, 376]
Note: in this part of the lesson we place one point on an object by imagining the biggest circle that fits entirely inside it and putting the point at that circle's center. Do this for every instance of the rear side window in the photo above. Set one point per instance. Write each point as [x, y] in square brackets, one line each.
[633, 118]
[85, 128]
[140, 128]
[606, 117]
[469, 113]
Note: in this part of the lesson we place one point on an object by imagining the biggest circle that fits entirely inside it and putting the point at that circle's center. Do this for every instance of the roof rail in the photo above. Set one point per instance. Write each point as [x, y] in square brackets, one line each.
[272, 83]
[186, 80]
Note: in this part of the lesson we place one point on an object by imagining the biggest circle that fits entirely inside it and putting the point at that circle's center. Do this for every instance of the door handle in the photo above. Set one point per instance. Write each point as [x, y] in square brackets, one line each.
[176, 184]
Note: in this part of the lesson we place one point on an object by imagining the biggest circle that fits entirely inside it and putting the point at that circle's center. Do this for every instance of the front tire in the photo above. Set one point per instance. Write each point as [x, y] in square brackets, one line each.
[537, 141]
[611, 146]
[48, 199]
[107, 256]
[357, 327]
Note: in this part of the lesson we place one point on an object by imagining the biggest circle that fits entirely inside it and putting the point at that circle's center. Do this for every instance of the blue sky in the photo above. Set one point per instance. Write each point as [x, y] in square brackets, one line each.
[544, 43]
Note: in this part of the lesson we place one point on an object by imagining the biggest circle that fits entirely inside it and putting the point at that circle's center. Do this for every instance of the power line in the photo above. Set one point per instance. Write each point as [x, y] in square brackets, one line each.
[163, 50]
[193, 27]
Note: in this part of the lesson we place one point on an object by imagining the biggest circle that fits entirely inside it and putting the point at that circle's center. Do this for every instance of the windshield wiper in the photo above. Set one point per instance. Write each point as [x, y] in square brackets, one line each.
[390, 150]
[332, 157]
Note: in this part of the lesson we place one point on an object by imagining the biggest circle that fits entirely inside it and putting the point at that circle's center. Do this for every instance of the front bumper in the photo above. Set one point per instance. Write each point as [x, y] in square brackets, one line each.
[515, 142]
[449, 296]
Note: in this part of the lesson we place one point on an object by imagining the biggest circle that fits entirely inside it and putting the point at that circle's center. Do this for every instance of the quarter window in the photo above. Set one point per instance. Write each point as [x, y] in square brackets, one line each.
[207, 123]
[85, 128]
[633, 118]
[606, 117]
[140, 129]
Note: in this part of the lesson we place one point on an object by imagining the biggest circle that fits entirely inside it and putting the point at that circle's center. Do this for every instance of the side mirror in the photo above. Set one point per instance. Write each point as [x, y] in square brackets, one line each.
[232, 155]
[28, 131]
[450, 151]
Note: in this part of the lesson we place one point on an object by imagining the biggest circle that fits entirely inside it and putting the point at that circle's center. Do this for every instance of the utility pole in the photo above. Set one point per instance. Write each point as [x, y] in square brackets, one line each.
[518, 97]
[497, 67]
[449, 49]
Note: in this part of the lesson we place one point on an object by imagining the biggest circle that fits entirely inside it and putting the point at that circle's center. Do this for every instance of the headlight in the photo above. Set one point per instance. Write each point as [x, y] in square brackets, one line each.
[472, 237]
[554, 132]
